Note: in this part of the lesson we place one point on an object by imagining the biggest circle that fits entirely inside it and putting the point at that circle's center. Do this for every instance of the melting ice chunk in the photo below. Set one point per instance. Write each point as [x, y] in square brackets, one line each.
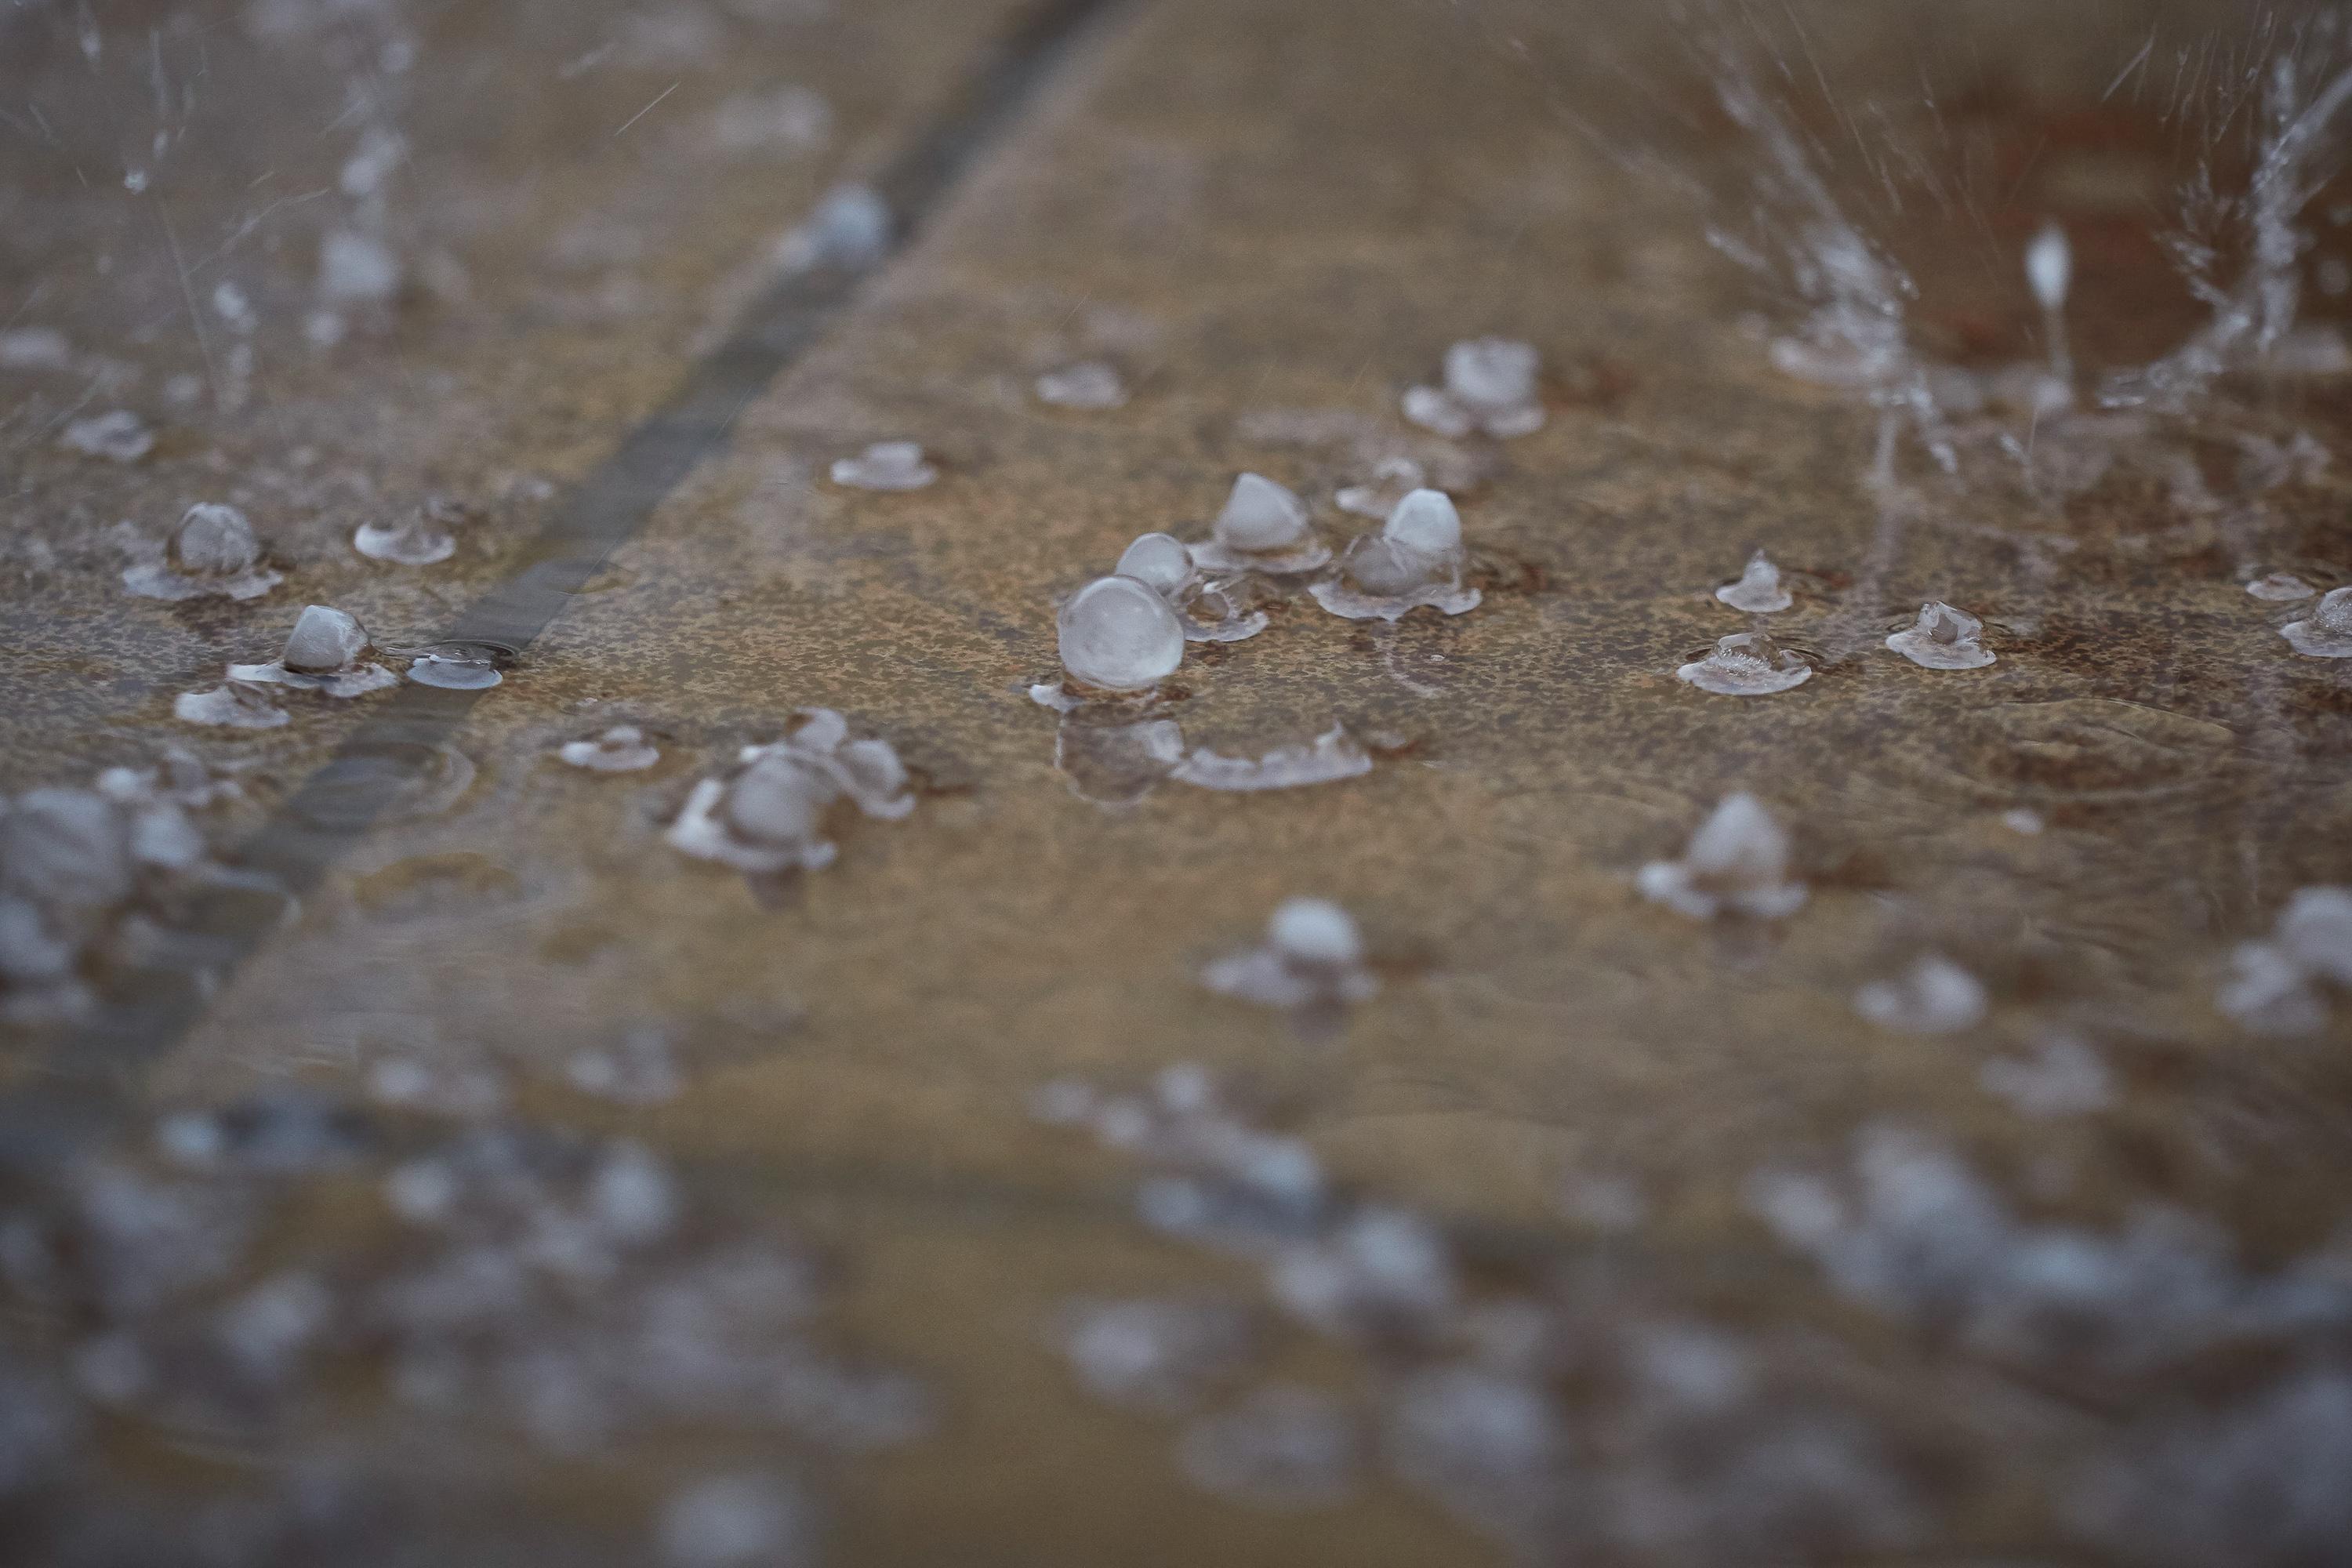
[357, 268]
[1334, 754]
[1934, 996]
[1416, 559]
[767, 814]
[1118, 635]
[1758, 591]
[323, 654]
[121, 435]
[1490, 386]
[1263, 527]
[235, 704]
[2050, 267]
[1943, 639]
[619, 750]
[456, 667]
[2280, 587]
[2274, 986]
[420, 539]
[213, 553]
[851, 228]
[1737, 863]
[2327, 633]
[886, 466]
[1393, 480]
[1746, 664]
[1090, 385]
[1210, 612]
[1312, 955]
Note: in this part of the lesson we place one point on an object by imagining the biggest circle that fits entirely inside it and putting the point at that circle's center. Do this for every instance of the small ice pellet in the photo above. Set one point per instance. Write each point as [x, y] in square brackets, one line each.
[454, 672]
[2280, 587]
[619, 750]
[417, 539]
[886, 466]
[1426, 523]
[1943, 639]
[214, 540]
[1261, 517]
[235, 705]
[121, 436]
[323, 642]
[1416, 560]
[775, 801]
[1934, 996]
[1746, 664]
[2328, 633]
[1758, 591]
[357, 268]
[1738, 861]
[1092, 385]
[1160, 561]
[1118, 635]
[1491, 372]
[2050, 267]
[1315, 930]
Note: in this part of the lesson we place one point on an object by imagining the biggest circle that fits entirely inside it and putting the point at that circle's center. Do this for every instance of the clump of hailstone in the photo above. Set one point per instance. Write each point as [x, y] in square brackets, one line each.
[213, 553]
[1934, 996]
[232, 705]
[1737, 863]
[1332, 755]
[2280, 588]
[1312, 955]
[1091, 385]
[1943, 639]
[766, 814]
[2277, 986]
[622, 749]
[1759, 591]
[1746, 664]
[1263, 528]
[1210, 610]
[1416, 559]
[325, 652]
[1119, 638]
[886, 466]
[2328, 632]
[1394, 478]
[420, 539]
[121, 436]
[1490, 388]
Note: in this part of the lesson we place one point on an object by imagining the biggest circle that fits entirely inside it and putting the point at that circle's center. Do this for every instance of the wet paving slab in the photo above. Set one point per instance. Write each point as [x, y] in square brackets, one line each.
[1550, 1258]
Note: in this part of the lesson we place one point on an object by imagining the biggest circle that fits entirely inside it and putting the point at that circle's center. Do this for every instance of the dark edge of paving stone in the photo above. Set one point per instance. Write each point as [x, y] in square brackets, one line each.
[93, 1066]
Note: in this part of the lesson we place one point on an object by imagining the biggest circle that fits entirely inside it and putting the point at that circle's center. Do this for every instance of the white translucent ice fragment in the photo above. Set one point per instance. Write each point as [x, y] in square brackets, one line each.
[2050, 267]
[1117, 635]
[1416, 560]
[1312, 954]
[619, 750]
[1260, 519]
[783, 120]
[1332, 755]
[2315, 931]
[1758, 591]
[213, 553]
[2328, 633]
[1159, 561]
[417, 540]
[1738, 862]
[768, 813]
[2280, 587]
[851, 228]
[357, 268]
[35, 348]
[2019, 819]
[1490, 385]
[322, 653]
[1089, 385]
[121, 435]
[1942, 639]
[1746, 664]
[1282, 1446]
[453, 671]
[886, 466]
[1393, 480]
[2270, 992]
[1157, 1355]
[1934, 996]
[235, 704]
[2065, 1078]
